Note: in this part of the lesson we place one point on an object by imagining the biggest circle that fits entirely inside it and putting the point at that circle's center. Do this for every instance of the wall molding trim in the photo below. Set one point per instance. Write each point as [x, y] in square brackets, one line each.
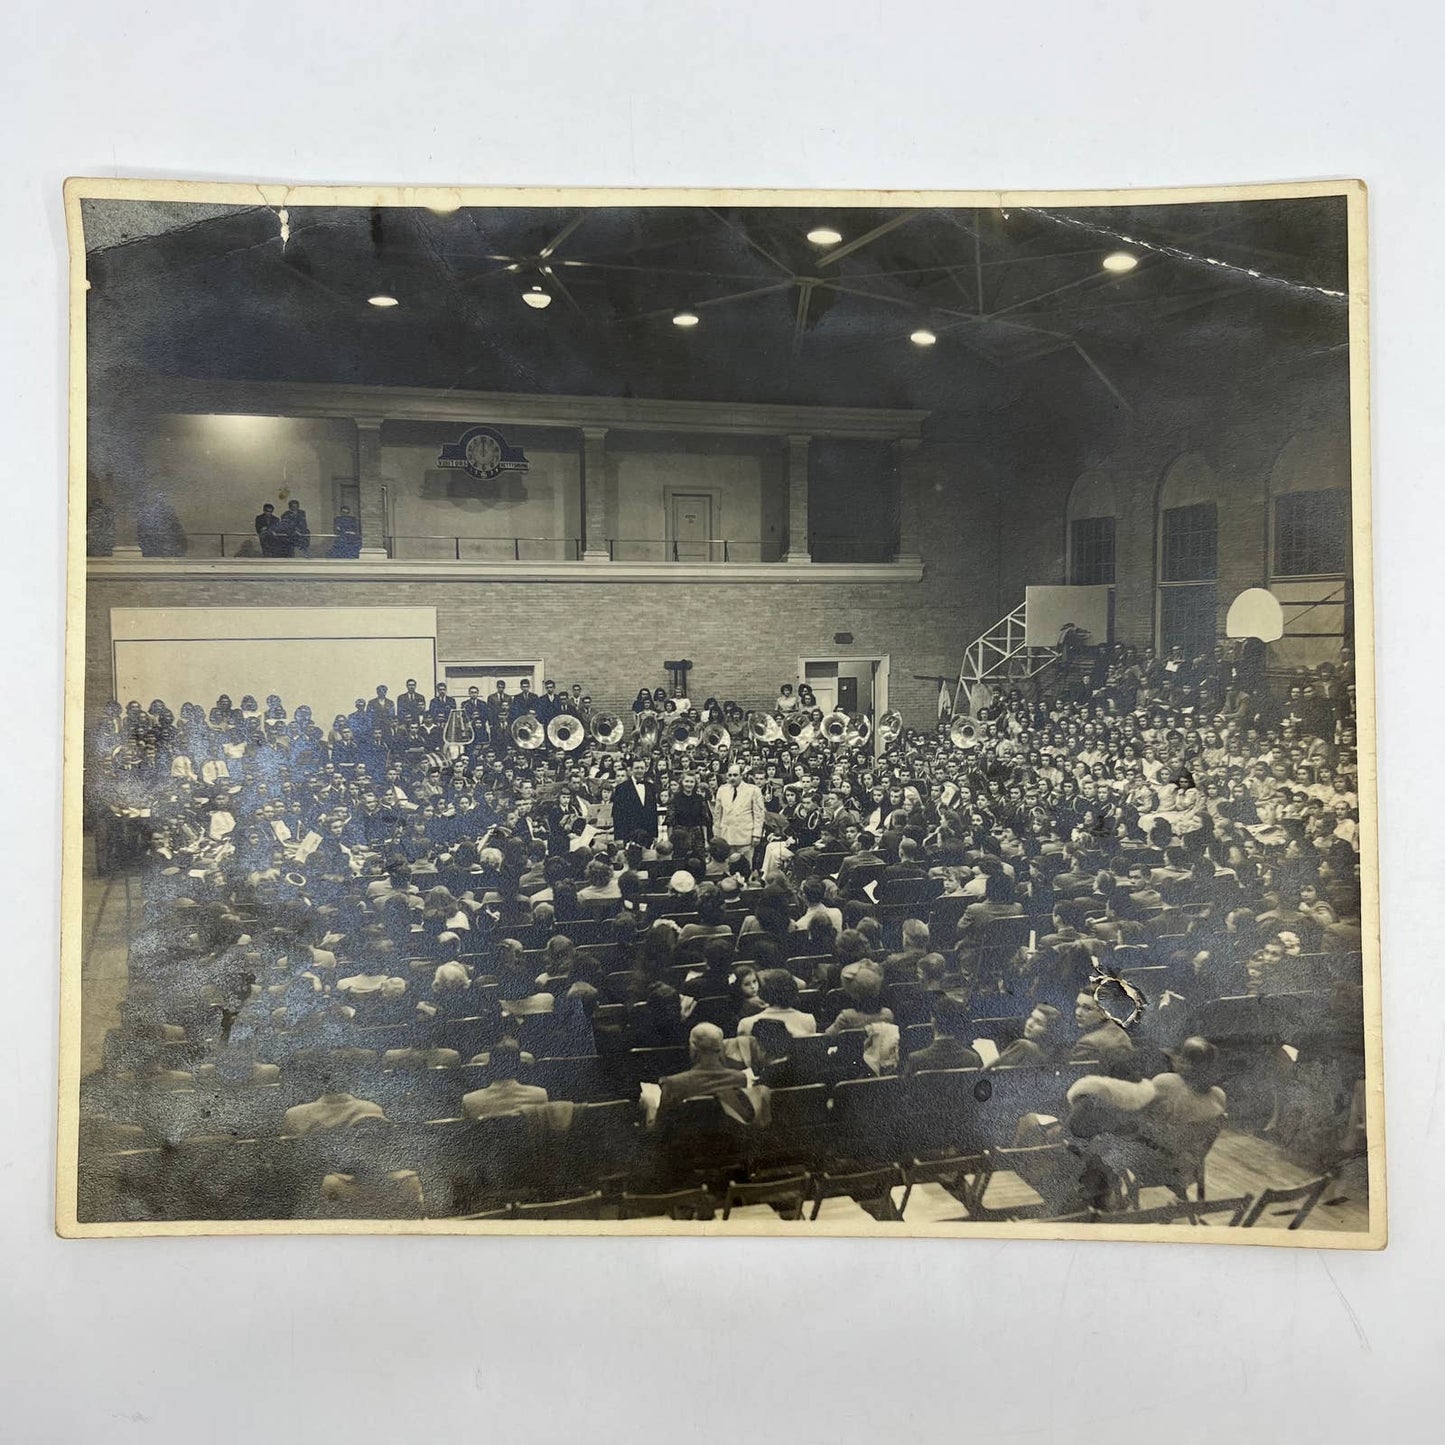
[279, 569]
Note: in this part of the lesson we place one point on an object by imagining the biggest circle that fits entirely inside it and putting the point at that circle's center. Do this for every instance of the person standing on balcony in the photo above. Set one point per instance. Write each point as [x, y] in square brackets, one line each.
[295, 530]
[346, 541]
[266, 534]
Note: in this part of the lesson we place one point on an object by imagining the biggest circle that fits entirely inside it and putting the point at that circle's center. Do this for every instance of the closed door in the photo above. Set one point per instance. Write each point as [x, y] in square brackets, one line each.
[691, 523]
[848, 694]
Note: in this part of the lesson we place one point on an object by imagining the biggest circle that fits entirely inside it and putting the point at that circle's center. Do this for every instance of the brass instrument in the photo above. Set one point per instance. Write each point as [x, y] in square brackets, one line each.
[858, 731]
[649, 730]
[716, 738]
[765, 728]
[963, 733]
[527, 732]
[566, 732]
[682, 735]
[834, 728]
[799, 731]
[607, 729]
[890, 727]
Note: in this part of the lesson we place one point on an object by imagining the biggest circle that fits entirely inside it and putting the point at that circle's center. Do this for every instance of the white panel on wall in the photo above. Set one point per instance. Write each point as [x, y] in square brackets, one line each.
[325, 657]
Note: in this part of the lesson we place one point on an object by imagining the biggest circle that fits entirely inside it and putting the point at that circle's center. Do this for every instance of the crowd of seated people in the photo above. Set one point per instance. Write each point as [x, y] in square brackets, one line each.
[397, 966]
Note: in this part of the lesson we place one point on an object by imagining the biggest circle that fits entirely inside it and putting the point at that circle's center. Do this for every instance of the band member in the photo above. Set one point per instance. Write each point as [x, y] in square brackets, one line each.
[441, 706]
[549, 704]
[499, 714]
[411, 705]
[525, 701]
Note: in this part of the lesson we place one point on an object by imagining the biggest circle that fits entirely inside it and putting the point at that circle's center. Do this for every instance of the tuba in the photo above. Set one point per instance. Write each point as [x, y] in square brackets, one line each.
[963, 732]
[799, 731]
[682, 736]
[834, 727]
[648, 732]
[527, 732]
[566, 733]
[890, 727]
[857, 733]
[763, 727]
[607, 729]
[716, 738]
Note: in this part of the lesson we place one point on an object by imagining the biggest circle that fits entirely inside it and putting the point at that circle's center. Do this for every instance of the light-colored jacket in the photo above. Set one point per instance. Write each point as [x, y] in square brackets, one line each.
[738, 814]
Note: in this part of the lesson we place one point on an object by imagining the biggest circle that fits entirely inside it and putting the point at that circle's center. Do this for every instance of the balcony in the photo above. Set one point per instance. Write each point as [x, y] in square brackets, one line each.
[519, 559]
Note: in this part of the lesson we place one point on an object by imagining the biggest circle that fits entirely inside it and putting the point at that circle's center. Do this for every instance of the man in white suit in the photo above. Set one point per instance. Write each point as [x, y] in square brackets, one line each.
[739, 812]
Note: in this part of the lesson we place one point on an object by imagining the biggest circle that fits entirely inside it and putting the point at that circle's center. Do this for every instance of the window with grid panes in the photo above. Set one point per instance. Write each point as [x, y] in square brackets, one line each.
[1190, 551]
[1091, 552]
[1312, 533]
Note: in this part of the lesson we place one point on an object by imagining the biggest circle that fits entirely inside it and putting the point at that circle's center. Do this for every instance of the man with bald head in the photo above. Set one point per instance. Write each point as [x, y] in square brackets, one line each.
[710, 1072]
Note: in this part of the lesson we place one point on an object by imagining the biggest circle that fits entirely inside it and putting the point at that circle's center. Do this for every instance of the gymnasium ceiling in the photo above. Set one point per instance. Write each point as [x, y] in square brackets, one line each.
[1026, 317]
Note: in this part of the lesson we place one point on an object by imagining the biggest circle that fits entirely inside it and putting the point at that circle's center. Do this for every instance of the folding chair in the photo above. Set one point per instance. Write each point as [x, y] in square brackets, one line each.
[784, 1195]
[1051, 1172]
[915, 892]
[799, 1131]
[1190, 1211]
[826, 1058]
[964, 1176]
[1303, 1196]
[583, 1206]
[870, 1121]
[943, 1110]
[676, 1204]
[865, 1187]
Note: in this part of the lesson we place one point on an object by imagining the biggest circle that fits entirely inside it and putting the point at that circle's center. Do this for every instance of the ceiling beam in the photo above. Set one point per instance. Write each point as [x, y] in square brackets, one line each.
[867, 238]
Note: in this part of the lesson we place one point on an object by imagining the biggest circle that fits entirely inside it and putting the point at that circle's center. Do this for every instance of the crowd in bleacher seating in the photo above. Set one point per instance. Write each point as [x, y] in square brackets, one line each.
[402, 967]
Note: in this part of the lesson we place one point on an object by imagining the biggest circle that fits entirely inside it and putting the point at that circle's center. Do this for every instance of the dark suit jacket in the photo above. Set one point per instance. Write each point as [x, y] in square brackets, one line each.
[942, 1053]
[410, 707]
[629, 816]
[695, 1081]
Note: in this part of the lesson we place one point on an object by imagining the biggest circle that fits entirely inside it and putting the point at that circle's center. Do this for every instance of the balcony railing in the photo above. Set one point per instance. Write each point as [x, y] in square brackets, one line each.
[248, 544]
[410, 548]
[659, 549]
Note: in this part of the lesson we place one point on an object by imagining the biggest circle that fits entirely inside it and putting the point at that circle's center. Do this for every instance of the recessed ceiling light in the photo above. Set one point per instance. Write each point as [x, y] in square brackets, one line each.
[824, 236]
[383, 301]
[685, 318]
[445, 208]
[923, 338]
[1120, 261]
[537, 298]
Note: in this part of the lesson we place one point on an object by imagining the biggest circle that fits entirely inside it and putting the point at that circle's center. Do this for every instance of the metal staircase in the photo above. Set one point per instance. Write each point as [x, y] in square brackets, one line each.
[1001, 655]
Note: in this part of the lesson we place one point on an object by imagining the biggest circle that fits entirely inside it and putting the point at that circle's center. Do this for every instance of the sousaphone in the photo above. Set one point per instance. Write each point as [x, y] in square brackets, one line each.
[799, 731]
[763, 727]
[963, 732]
[607, 729]
[527, 732]
[857, 733]
[834, 728]
[649, 729]
[716, 738]
[890, 727]
[682, 736]
[566, 732]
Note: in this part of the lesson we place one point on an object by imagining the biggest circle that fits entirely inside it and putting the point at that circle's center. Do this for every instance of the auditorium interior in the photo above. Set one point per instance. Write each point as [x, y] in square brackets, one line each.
[736, 715]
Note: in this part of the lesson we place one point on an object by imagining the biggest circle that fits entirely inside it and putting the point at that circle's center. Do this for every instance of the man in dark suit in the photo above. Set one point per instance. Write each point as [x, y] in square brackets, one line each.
[498, 716]
[710, 1074]
[475, 711]
[907, 865]
[411, 705]
[441, 706]
[265, 522]
[549, 704]
[634, 807]
[949, 1049]
[525, 700]
[382, 711]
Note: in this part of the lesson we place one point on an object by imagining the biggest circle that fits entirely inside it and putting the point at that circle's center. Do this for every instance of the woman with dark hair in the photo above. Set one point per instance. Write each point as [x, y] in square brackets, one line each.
[642, 702]
[710, 921]
[651, 959]
[778, 990]
[772, 914]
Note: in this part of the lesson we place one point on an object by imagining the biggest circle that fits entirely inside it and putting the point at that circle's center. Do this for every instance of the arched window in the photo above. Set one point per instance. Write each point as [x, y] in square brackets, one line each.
[1188, 552]
[1092, 556]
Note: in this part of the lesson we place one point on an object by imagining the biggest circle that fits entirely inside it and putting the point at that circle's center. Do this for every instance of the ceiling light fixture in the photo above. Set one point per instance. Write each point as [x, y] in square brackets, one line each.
[824, 236]
[446, 208]
[537, 298]
[383, 301]
[923, 338]
[685, 318]
[1120, 261]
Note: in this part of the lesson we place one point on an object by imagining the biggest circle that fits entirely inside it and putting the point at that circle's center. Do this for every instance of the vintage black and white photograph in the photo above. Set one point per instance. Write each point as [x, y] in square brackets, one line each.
[720, 712]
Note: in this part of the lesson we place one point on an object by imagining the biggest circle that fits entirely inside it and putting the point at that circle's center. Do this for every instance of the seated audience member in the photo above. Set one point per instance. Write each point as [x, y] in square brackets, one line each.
[710, 1072]
[502, 1093]
[863, 984]
[1101, 1037]
[815, 892]
[1041, 1044]
[335, 1109]
[711, 923]
[778, 990]
[949, 1049]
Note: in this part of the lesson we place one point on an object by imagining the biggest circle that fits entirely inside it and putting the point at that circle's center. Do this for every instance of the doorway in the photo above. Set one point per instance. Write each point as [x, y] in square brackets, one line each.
[690, 526]
[858, 684]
